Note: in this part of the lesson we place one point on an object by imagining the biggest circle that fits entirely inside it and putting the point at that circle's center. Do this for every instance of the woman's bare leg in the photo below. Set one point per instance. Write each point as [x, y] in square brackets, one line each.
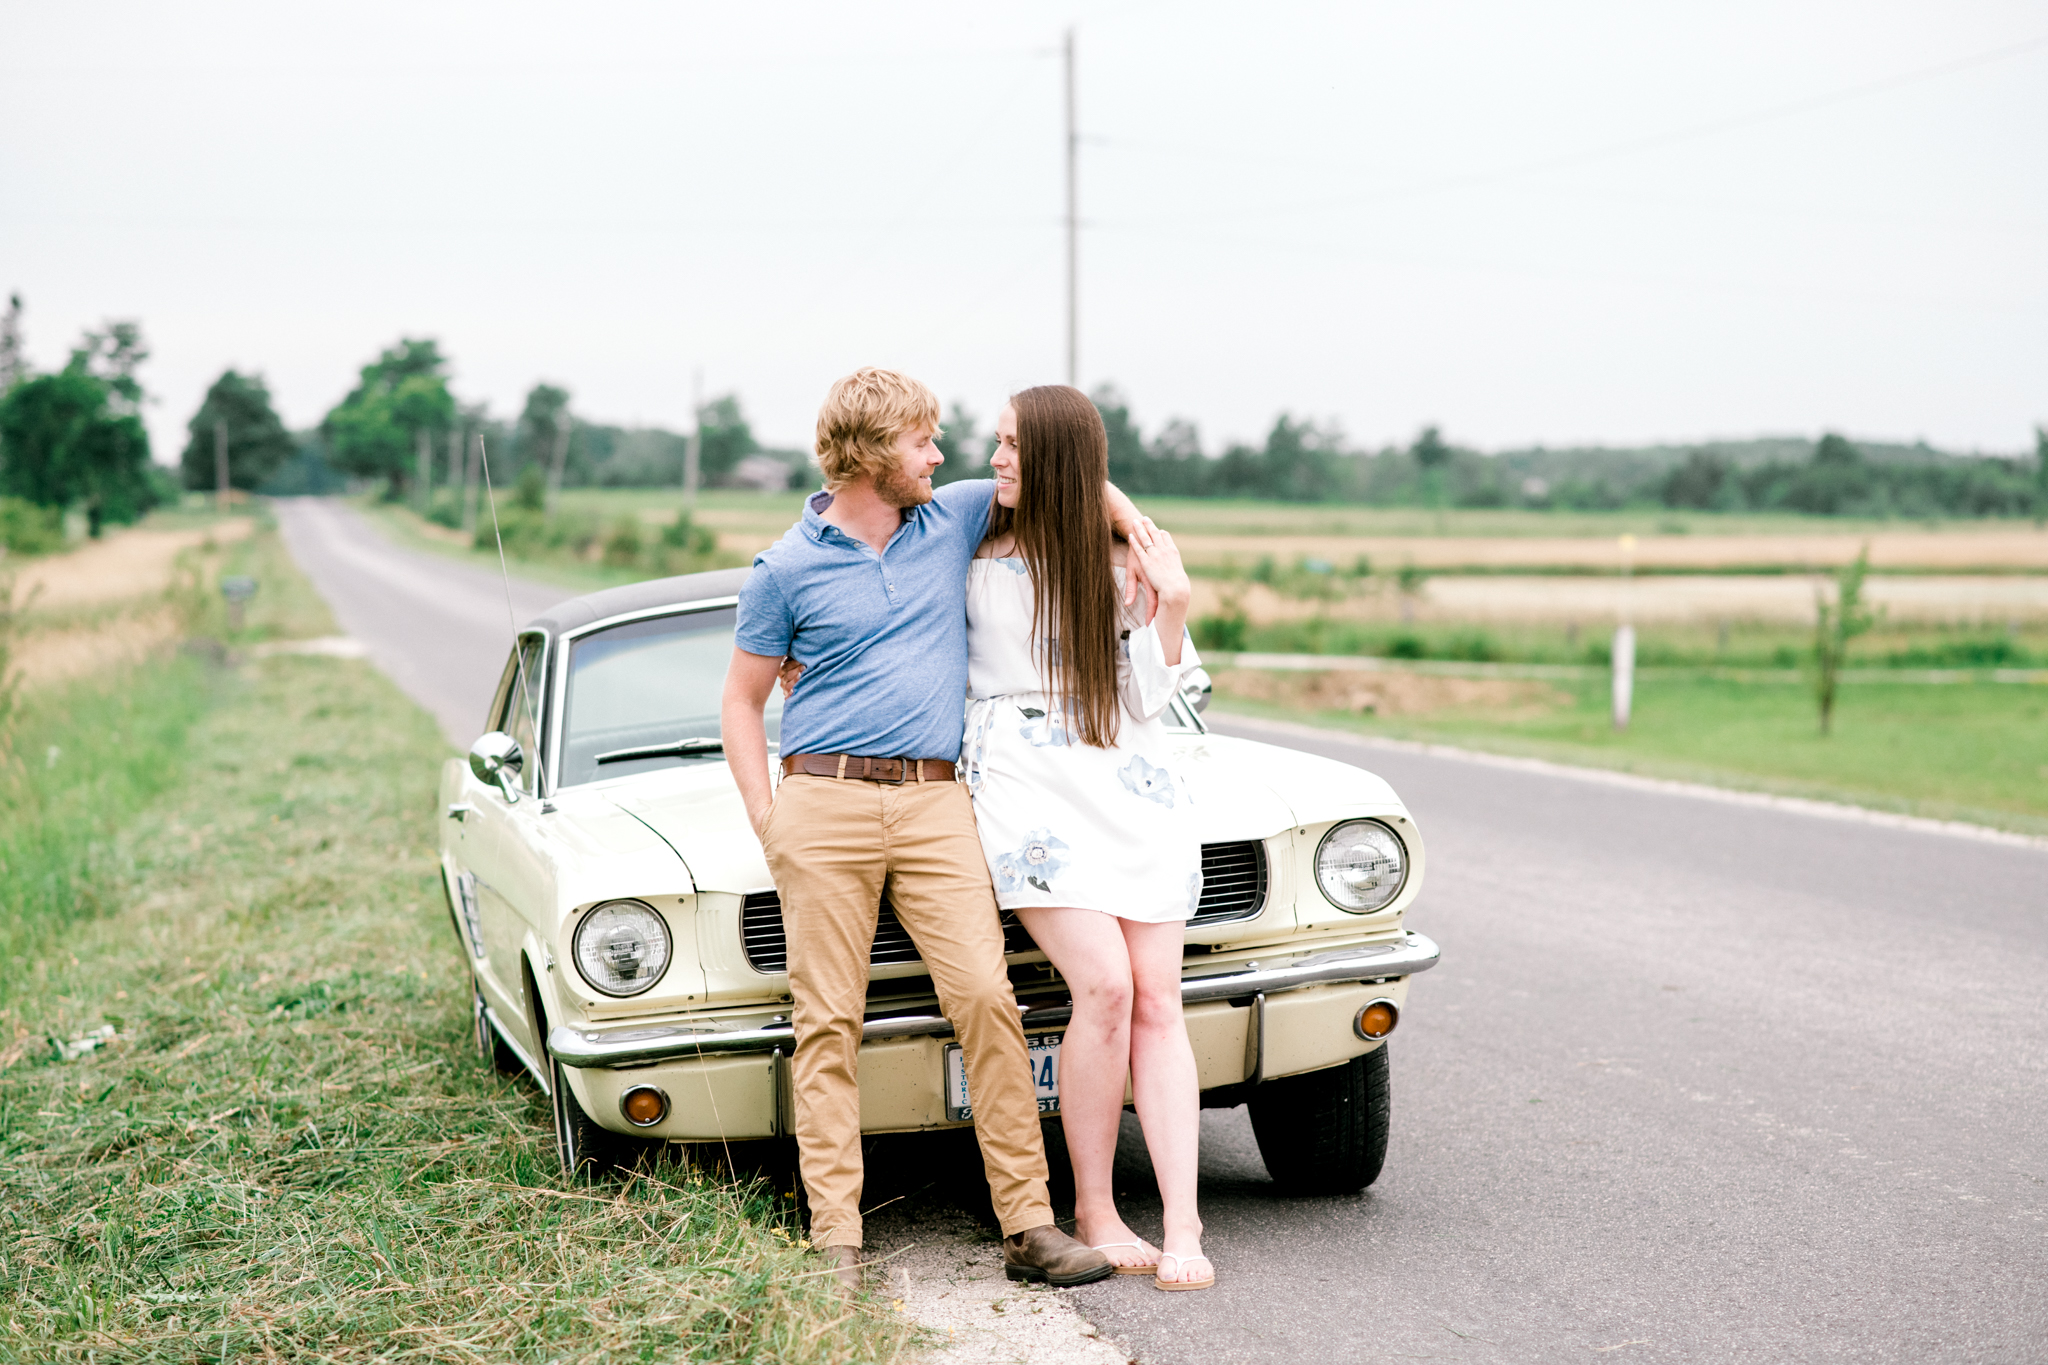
[1165, 1084]
[1087, 947]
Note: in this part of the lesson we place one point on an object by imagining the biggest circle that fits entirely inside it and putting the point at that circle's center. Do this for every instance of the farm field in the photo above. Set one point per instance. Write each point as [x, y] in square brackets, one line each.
[1974, 752]
[241, 1117]
[1243, 532]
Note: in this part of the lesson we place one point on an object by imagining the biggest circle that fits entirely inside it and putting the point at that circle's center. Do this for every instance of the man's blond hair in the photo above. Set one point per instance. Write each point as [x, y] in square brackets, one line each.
[863, 415]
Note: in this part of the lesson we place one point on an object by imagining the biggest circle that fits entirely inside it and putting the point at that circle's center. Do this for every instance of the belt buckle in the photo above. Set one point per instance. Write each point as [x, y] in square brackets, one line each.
[902, 772]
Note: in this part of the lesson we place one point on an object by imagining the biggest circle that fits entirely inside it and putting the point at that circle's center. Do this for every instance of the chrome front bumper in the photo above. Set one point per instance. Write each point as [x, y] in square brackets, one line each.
[637, 1046]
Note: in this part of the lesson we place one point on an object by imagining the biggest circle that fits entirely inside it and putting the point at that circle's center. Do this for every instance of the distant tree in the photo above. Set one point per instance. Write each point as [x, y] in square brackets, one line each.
[2040, 474]
[65, 442]
[727, 438]
[1835, 625]
[966, 455]
[1300, 461]
[1429, 449]
[13, 364]
[1431, 456]
[257, 441]
[1697, 483]
[1130, 463]
[545, 430]
[76, 437]
[376, 430]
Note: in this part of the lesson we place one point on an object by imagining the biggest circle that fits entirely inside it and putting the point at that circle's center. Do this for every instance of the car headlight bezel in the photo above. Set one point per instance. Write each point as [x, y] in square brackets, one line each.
[586, 948]
[1326, 874]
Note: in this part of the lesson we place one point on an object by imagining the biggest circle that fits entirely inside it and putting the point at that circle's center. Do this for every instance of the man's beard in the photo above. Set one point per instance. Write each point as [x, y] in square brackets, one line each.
[899, 489]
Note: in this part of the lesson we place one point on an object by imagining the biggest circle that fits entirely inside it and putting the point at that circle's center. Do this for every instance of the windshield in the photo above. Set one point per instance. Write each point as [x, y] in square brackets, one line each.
[645, 695]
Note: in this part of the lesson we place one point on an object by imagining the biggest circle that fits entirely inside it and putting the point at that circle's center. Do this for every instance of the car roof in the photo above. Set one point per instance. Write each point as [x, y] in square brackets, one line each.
[655, 593]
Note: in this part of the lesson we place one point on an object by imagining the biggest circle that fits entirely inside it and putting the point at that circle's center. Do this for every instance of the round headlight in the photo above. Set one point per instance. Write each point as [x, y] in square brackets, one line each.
[1361, 866]
[622, 947]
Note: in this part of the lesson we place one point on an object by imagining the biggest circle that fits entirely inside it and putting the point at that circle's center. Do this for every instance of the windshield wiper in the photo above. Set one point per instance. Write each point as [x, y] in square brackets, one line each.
[675, 748]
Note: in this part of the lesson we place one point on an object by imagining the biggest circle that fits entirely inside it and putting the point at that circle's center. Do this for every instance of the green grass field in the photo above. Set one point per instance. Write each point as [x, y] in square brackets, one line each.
[731, 508]
[240, 1115]
[1975, 752]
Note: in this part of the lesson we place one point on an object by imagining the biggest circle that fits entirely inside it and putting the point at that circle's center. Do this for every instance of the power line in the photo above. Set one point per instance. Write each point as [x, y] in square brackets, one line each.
[1626, 147]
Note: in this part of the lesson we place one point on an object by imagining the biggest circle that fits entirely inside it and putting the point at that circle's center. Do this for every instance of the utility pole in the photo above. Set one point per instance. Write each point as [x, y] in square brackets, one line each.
[1073, 225]
[220, 463]
[561, 457]
[693, 449]
[469, 481]
[455, 444]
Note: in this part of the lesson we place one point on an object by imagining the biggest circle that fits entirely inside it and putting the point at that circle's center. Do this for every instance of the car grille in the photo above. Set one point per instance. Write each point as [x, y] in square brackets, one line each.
[1233, 882]
[1233, 888]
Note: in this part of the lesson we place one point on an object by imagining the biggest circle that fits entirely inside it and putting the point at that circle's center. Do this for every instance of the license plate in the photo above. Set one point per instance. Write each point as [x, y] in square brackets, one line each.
[1045, 1077]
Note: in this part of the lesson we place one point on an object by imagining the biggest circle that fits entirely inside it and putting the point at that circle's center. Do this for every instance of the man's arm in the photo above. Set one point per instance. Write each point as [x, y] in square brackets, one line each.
[749, 678]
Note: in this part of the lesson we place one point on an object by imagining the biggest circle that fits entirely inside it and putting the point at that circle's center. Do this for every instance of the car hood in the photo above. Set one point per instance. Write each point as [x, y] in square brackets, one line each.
[1242, 789]
[697, 811]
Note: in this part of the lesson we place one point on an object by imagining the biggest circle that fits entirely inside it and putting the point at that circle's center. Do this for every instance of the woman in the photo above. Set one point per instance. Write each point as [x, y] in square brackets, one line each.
[1085, 822]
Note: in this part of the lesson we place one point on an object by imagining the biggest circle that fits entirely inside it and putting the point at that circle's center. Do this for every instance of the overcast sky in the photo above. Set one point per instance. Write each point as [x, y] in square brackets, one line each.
[1559, 223]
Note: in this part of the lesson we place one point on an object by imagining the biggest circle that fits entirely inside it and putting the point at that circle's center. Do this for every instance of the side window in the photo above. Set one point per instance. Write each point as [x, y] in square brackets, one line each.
[518, 709]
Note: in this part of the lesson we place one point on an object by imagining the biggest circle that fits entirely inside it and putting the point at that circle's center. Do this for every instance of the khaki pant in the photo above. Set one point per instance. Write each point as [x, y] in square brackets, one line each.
[833, 845]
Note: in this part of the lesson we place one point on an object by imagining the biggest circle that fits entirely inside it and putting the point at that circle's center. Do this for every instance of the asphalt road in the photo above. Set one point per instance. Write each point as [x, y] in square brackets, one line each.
[440, 628]
[1697, 1080]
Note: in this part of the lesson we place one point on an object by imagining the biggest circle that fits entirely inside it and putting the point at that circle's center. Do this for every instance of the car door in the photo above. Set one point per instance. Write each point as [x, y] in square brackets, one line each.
[510, 885]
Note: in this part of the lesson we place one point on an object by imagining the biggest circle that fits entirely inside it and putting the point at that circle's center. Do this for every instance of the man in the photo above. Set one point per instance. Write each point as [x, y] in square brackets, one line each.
[868, 594]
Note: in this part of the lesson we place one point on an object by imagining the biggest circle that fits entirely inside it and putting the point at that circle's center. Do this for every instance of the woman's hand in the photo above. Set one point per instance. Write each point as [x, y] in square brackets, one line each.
[791, 670]
[1167, 578]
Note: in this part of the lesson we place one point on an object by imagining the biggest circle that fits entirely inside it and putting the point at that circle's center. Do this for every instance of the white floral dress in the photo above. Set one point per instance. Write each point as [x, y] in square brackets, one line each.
[1064, 823]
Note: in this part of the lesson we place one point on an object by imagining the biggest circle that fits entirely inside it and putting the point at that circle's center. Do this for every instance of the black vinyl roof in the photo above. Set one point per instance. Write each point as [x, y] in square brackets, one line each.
[656, 592]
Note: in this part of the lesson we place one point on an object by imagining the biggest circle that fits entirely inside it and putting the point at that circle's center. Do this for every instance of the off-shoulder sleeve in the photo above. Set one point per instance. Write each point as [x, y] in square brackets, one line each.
[1144, 680]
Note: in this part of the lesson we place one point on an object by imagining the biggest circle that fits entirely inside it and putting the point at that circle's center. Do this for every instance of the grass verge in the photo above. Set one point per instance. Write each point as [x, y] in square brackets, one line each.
[240, 1117]
[1973, 752]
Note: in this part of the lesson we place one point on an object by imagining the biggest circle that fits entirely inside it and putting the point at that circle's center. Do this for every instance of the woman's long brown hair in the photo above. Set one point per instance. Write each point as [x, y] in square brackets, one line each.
[1061, 522]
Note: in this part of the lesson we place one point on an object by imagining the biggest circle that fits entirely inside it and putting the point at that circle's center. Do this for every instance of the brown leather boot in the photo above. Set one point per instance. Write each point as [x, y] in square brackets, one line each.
[1048, 1254]
[845, 1263]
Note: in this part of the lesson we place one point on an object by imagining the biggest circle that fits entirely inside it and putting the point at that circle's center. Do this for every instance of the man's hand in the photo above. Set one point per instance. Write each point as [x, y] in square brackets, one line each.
[749, 679]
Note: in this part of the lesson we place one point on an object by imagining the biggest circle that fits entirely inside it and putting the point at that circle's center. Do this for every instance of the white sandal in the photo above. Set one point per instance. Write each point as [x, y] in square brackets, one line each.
[1152, 1269]
[1181, 1264]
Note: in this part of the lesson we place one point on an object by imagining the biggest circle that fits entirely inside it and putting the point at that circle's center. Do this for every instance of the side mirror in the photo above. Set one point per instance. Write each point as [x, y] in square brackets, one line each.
[496, 759]
[1195, 689]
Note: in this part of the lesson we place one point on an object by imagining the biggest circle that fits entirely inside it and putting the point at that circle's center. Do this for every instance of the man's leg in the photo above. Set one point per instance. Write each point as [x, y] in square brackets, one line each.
[938, 882]
[824, 844]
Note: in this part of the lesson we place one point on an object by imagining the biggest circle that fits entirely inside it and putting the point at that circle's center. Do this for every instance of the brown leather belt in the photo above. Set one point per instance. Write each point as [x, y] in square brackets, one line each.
[897, 770]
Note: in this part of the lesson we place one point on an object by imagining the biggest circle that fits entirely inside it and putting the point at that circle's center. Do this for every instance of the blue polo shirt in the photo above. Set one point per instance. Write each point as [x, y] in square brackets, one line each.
[882, 638]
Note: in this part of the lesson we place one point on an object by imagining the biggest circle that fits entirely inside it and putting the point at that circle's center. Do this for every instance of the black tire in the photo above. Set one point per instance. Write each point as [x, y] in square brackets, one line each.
[1325, 1132]
[588, 1152]
[489, 1046]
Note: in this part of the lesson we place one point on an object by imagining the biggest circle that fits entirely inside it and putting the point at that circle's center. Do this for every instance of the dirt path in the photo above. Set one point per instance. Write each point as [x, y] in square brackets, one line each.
[127, 563]
[53, 656]
[1668, 598]
[1964, 548]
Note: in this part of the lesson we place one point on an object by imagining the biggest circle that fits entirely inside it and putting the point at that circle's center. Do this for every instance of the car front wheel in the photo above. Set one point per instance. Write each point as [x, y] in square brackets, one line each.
[1325, 1132]
[588, 1151]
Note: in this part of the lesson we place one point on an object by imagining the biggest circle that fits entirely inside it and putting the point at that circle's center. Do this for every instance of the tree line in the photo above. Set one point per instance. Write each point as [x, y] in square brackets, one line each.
[1301, 461]
[74, 438]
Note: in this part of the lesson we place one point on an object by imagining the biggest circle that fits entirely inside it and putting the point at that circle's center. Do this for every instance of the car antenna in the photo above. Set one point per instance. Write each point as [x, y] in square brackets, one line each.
[512, 619]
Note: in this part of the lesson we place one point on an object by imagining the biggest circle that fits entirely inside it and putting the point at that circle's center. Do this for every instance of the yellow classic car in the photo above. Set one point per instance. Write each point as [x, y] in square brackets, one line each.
[627, 946]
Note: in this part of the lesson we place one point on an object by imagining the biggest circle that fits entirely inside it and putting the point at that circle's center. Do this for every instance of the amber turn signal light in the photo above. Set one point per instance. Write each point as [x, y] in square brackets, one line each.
[1376, 1020]
[644, 1106]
